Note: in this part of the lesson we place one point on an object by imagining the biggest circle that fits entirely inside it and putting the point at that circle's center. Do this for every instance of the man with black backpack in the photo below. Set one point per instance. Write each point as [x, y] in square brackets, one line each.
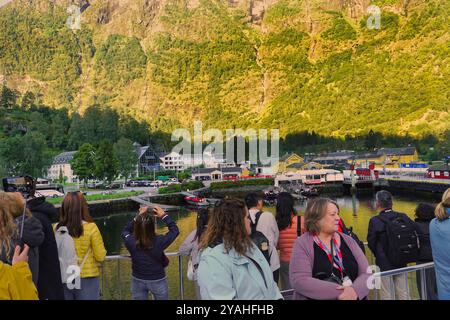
[393, 239]
[264, 226]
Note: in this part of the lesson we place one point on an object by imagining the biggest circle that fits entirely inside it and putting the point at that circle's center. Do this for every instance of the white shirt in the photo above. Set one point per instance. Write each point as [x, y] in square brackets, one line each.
[267, 225]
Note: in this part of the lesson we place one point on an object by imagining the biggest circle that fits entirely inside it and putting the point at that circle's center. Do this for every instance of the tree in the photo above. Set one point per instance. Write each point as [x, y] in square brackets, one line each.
[8, 98]
[106, 164]
[126, 156]
[83, 162]
[372, 140]
[28, 101]
[25, 154]
[59, 128]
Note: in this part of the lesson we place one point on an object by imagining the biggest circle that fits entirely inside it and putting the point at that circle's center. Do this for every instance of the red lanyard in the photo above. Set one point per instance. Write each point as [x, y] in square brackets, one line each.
[336, 258]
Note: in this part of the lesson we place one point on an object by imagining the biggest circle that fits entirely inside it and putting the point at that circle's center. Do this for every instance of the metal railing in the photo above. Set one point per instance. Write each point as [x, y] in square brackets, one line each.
[119, 258]
[386, 276]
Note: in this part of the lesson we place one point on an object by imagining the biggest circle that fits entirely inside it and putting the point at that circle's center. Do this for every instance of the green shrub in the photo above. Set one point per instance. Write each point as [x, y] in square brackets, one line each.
[241, 183]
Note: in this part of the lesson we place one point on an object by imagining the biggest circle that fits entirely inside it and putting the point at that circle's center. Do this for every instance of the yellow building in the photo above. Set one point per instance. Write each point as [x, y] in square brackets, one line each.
[386, 157]
[289, 159]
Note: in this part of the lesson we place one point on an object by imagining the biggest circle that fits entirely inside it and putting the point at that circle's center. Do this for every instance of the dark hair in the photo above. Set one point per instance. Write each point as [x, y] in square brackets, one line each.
[285, 210]
[252, 199]
[202, 221]
[384, 199]
[227, 223]
[425, 211]
[144, 230]
[74, 209]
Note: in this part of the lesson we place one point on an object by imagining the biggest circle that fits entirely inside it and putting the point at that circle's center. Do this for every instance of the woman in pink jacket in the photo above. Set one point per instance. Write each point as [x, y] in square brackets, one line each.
[327, 264]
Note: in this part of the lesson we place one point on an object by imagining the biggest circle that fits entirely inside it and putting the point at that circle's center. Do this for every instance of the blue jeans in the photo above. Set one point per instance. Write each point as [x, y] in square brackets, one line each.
[141, 288]
[89, 290]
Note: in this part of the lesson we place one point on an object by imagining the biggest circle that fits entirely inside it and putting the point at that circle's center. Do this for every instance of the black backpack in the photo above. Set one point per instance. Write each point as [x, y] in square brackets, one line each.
[354, 236]
[402, 240]
[259, 239]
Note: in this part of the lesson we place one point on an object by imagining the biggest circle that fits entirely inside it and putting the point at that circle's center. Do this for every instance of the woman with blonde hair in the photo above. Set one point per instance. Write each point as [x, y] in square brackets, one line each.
[440, 239]
[25, 230]
[15, 279]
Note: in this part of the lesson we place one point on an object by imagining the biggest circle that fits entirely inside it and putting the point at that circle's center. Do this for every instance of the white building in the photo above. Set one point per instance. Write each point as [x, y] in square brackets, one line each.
[61, 167]
[173, 161]
[316, 176]
[217, 174]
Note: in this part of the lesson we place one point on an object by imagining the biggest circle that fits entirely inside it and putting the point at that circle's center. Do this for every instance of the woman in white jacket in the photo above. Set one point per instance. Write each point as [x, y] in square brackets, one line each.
[190, 247]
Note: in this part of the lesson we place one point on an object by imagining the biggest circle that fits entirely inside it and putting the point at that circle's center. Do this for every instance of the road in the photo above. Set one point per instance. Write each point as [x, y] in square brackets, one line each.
[147, 190]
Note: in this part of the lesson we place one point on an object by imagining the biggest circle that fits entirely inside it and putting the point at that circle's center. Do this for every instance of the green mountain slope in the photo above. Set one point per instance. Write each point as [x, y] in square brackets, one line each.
[299, 65]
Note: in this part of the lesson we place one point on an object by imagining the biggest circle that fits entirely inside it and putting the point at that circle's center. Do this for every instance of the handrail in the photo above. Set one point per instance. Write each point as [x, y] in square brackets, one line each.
[395, 272]
[382, 274]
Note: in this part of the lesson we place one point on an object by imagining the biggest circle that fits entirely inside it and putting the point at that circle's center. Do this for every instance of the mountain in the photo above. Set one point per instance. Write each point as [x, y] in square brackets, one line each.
[297, 65]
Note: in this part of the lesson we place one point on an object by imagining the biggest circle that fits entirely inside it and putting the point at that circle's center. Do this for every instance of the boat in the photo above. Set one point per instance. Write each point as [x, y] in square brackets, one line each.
[271, 194]
[196, 201]
[309, 192]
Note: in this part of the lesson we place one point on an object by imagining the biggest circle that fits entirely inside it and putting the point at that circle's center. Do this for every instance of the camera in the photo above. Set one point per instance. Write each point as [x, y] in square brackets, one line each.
[26, 185]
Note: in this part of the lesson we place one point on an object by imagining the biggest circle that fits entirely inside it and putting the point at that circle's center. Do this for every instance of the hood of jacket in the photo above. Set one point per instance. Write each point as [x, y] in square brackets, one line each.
[40, 205]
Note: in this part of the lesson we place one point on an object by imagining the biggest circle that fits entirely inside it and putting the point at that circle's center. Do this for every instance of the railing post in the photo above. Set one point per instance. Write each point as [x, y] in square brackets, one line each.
[118, 279]
[423, 284]
[408, 293]
[391, 288]
[180, 270]
[103, 280]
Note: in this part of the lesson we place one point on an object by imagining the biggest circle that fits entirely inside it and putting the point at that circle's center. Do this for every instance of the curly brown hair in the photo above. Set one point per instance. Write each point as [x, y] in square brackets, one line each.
[7, 225]
[227, 223]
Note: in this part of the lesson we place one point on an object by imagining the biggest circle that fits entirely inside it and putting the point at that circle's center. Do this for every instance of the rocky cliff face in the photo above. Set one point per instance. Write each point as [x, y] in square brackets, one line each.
[302, 64]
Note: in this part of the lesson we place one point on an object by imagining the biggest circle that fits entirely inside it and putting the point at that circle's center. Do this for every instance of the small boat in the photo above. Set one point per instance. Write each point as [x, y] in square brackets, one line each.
[196, 201]
[309, 192]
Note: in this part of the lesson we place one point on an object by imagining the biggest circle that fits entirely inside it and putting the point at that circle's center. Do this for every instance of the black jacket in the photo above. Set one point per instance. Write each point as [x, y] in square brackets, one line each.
[49, 286]
[147, 264]
[425, 253]
[33, 236]
[377, 239]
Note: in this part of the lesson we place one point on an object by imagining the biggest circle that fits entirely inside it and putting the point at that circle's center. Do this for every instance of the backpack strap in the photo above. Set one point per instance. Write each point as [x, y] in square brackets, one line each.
[255, 224]
[257, 216]
[299, 226]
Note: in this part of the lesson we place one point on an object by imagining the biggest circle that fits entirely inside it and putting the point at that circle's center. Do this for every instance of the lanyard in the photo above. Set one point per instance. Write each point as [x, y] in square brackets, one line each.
[334, 256]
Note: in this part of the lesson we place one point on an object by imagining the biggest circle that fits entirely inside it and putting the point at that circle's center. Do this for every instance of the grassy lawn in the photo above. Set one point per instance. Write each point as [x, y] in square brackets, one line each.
[95, 197]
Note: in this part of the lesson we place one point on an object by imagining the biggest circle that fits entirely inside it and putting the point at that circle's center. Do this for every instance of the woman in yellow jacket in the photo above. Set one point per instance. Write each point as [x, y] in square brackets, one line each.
[15, 280]
[89, 247]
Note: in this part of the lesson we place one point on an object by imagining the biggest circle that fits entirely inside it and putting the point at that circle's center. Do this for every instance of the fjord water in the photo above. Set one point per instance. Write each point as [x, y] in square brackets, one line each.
[355, 210]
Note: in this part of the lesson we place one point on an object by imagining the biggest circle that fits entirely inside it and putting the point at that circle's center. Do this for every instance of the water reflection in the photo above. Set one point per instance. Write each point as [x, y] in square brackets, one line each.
[355, 210]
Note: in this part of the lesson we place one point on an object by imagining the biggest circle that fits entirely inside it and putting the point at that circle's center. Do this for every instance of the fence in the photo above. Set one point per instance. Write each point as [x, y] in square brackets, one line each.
[116, 279]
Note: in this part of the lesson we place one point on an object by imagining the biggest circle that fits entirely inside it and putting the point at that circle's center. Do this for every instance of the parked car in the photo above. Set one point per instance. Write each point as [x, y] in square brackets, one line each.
[49, 193]
[113, 185]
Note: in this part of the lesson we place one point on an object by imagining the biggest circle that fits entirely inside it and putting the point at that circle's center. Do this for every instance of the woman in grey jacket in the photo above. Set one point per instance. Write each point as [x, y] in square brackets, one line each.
[326, 264]
[190, 246]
